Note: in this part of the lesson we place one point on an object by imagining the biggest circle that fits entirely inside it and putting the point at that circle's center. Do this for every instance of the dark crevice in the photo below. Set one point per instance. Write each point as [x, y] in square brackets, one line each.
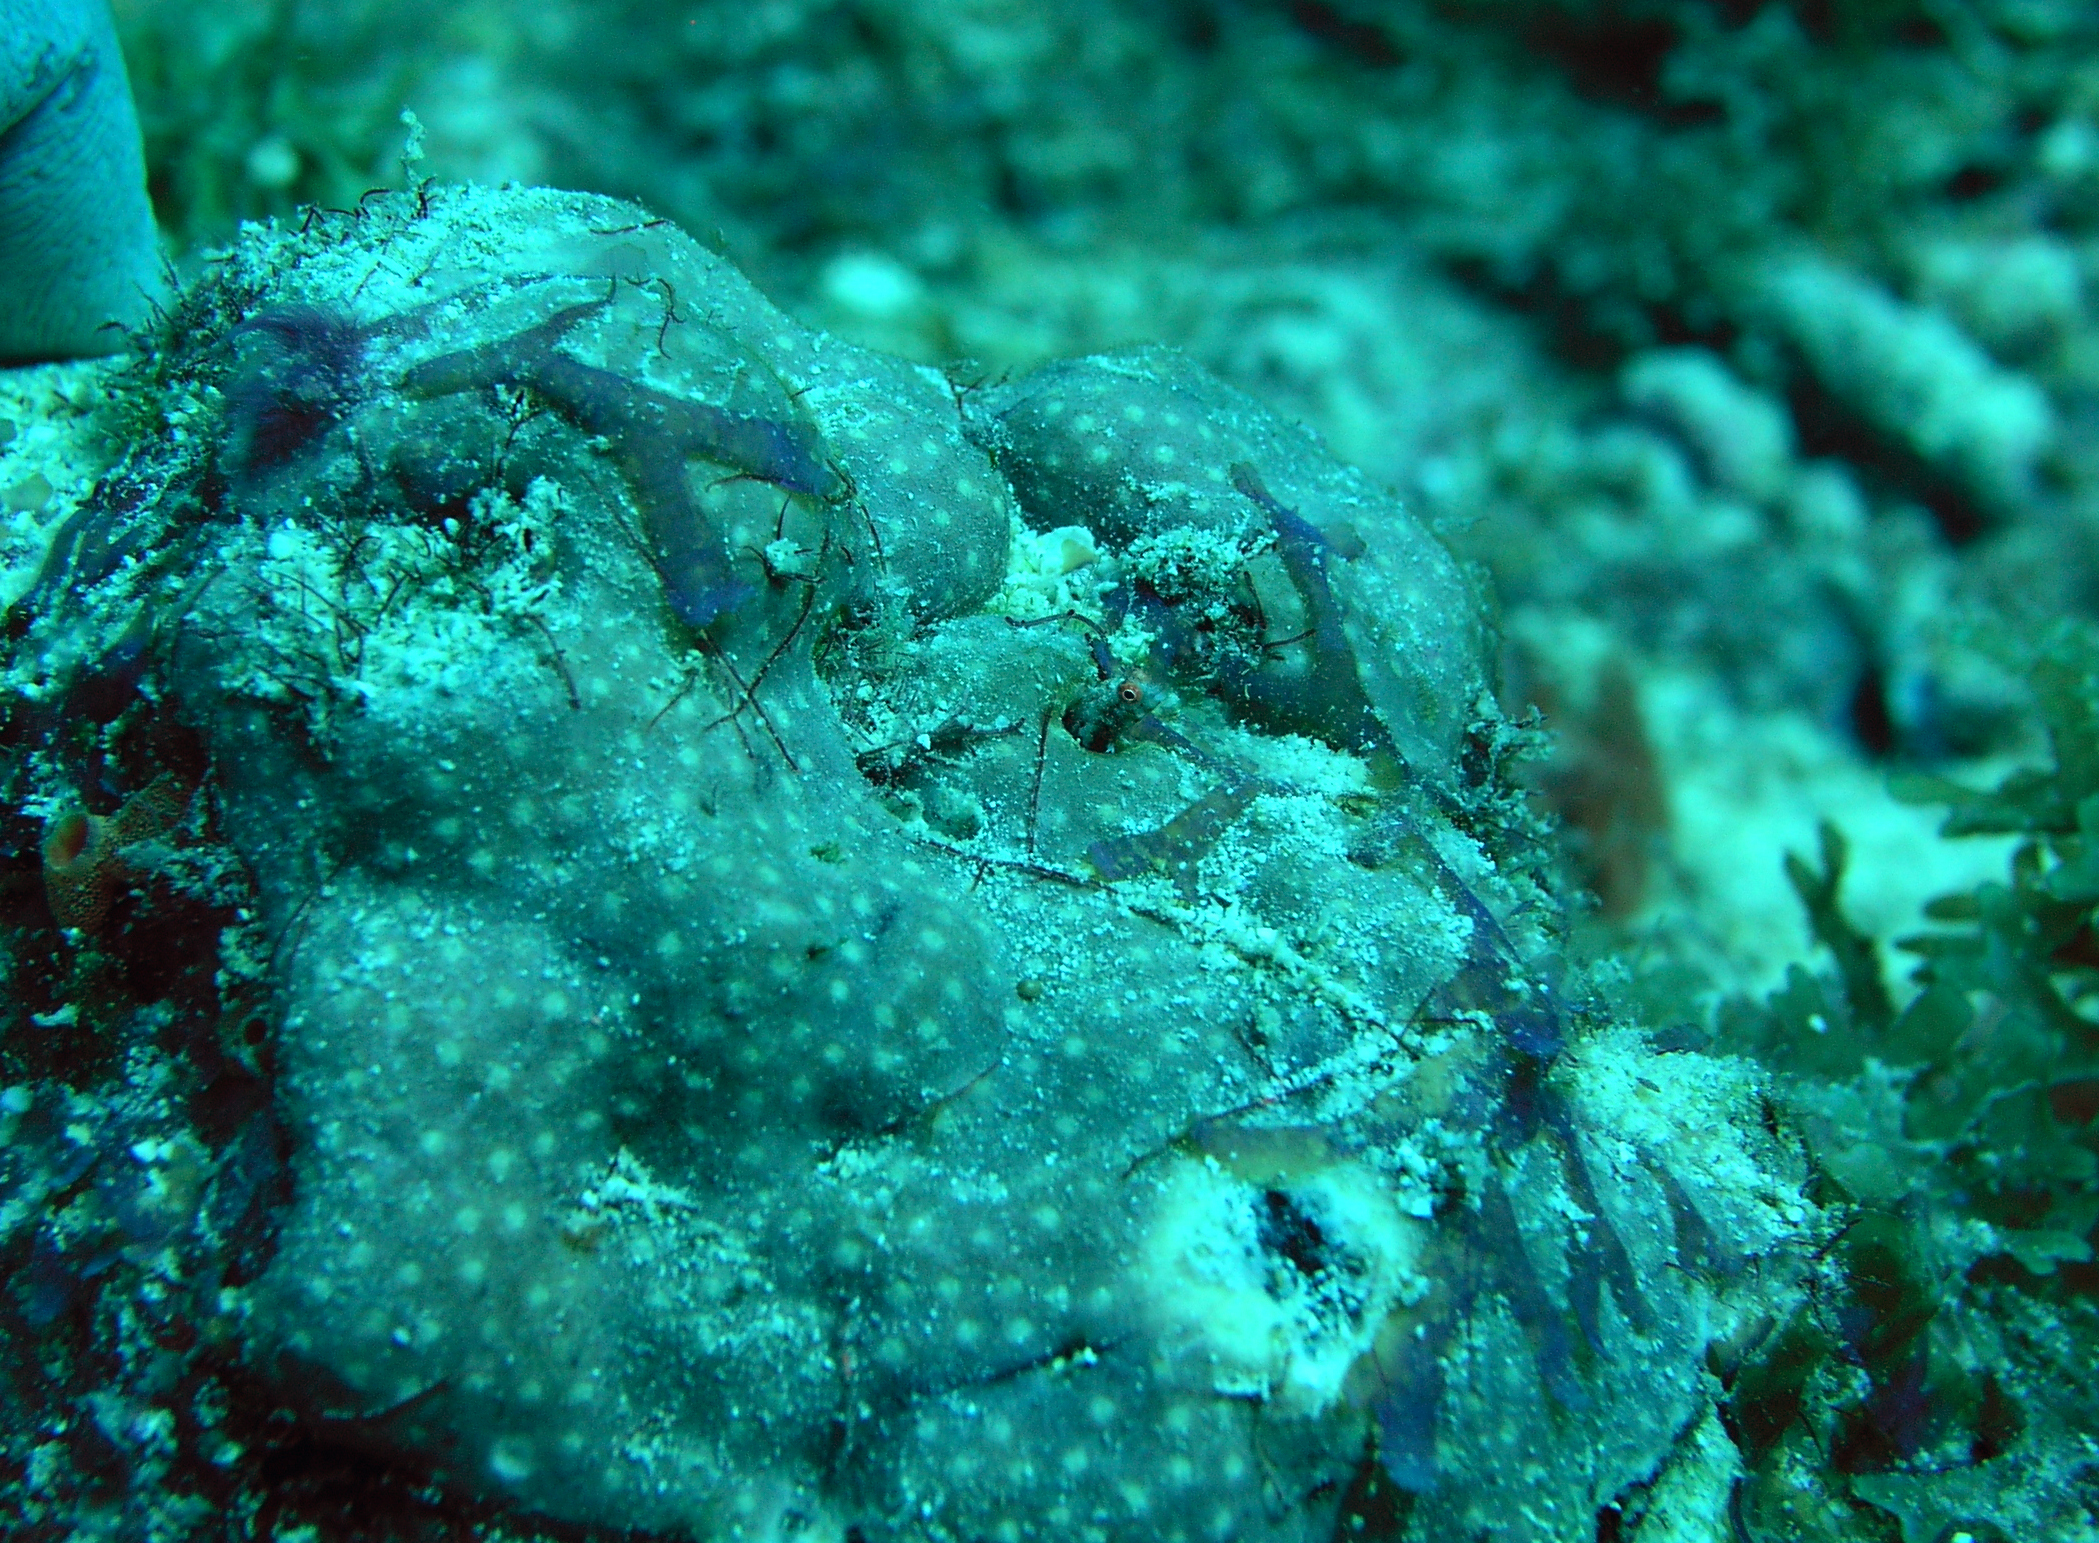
[1286, 1231]
[1828, 429]
[1618, 60]
[1363, 41]
[1872, 723]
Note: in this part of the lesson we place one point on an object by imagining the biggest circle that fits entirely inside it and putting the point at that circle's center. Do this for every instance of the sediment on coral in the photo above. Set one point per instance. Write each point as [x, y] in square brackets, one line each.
[824, 968]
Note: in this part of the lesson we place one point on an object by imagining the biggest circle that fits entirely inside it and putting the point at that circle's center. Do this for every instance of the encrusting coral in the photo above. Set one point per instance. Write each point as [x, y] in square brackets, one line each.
[791, 1014]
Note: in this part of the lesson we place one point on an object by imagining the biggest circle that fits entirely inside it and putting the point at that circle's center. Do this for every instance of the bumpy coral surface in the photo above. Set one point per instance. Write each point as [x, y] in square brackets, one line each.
[870, 957]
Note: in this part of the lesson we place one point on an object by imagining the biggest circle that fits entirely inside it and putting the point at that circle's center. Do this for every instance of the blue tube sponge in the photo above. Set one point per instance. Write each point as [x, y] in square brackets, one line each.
[78, 260]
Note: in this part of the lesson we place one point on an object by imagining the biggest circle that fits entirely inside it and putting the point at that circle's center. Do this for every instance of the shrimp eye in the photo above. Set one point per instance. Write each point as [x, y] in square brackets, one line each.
[1129, 691]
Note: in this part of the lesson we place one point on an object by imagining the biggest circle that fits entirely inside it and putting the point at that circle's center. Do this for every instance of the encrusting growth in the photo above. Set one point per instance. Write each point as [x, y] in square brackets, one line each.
[84, 868]
[1114, 1061]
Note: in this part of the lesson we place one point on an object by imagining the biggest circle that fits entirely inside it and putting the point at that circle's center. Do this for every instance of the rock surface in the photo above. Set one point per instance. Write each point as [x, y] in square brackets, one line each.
[857, 956]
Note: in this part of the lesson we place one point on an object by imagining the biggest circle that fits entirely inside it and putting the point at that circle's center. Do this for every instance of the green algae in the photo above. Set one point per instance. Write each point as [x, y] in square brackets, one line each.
[1953, 1135]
